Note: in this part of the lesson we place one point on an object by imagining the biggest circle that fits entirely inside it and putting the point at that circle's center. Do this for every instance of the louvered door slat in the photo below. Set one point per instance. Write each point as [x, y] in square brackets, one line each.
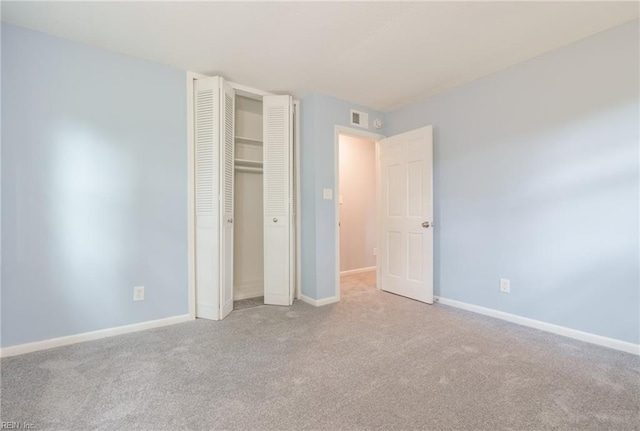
[227, 153]
[276, 157]
[204, 152]
[207, 169]
[277, 198]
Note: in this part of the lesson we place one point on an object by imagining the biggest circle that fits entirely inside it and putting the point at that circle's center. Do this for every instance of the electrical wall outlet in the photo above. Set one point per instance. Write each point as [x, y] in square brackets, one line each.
[138, 293]
[505, 285]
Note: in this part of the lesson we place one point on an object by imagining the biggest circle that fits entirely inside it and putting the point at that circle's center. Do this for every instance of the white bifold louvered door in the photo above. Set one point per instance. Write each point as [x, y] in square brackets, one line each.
[214, 156]
[278, 202]
[227, 145]
[207, 204]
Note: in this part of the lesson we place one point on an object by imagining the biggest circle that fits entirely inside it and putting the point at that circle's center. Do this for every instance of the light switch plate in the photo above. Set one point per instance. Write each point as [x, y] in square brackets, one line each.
[327, 194]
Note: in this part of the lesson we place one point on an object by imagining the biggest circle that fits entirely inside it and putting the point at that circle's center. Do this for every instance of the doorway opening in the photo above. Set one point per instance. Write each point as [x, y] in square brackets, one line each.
[356, 208]
[248, 232]
[403, 213]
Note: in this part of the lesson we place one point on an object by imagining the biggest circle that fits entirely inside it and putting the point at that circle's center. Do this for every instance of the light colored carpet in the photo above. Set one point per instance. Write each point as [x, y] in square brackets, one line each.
[373, 361]
[248, 303]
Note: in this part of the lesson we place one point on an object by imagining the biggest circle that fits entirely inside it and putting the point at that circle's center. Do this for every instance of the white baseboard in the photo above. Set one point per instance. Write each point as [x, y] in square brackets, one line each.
[318, 302]
[248, 290]
[248, 295]
[611, 343]
[358, 270]
[21, 349]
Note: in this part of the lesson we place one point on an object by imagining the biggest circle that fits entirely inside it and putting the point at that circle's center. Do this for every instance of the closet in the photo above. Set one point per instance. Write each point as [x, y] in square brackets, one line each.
[248, 235]
[244, 197]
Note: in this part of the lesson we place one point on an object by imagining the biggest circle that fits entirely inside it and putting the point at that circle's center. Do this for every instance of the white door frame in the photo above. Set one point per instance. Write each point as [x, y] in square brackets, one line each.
[298, 218]
[245, 91]
[358, 133]
[191, 194]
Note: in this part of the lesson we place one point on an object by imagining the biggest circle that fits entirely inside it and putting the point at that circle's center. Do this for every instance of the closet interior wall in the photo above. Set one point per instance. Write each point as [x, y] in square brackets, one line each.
[248, 254]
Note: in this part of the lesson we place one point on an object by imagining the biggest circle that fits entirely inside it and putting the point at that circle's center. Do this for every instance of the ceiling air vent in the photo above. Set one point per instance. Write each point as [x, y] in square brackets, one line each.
[360, 119]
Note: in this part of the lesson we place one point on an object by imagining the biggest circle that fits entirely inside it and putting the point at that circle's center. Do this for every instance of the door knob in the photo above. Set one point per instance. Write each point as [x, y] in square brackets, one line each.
[275, 220]
[426, 224]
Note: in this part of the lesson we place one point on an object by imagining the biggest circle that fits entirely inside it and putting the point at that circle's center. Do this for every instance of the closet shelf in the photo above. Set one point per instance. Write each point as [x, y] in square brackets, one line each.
[246, 140]
[250, 169]
[248, 163]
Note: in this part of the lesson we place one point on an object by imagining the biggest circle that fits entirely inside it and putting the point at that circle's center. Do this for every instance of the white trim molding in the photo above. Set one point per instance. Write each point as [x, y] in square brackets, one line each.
[191, 227]
[250, 92]
[358, 270]
[21, 349]
[319, 302]
[611, 343]
[249, 289]
[298, 209]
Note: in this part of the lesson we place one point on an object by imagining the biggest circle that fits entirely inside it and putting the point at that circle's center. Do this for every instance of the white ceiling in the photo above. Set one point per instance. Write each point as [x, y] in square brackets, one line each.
[378, 54]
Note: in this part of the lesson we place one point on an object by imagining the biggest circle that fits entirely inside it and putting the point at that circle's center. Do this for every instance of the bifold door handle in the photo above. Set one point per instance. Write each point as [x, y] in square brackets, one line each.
[426, 224]
[230, 220]
[275, 220]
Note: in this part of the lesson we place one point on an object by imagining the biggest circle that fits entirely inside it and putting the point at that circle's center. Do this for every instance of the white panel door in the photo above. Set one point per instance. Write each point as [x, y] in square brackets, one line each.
[227, 156]
[278, 140]
[405, 211]
[207, 162]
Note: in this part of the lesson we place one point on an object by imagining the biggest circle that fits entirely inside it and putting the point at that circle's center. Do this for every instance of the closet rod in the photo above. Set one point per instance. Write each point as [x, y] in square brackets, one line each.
[249, 169]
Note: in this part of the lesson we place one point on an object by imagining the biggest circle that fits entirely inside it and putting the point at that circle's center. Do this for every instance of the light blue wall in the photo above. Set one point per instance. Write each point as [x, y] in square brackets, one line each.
[94, 188]
[537, 180]
[319, 115]
[307, 197]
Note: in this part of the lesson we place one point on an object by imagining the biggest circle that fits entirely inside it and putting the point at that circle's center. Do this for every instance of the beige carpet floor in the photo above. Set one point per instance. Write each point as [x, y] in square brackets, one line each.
[372, 361]
[241, 304]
